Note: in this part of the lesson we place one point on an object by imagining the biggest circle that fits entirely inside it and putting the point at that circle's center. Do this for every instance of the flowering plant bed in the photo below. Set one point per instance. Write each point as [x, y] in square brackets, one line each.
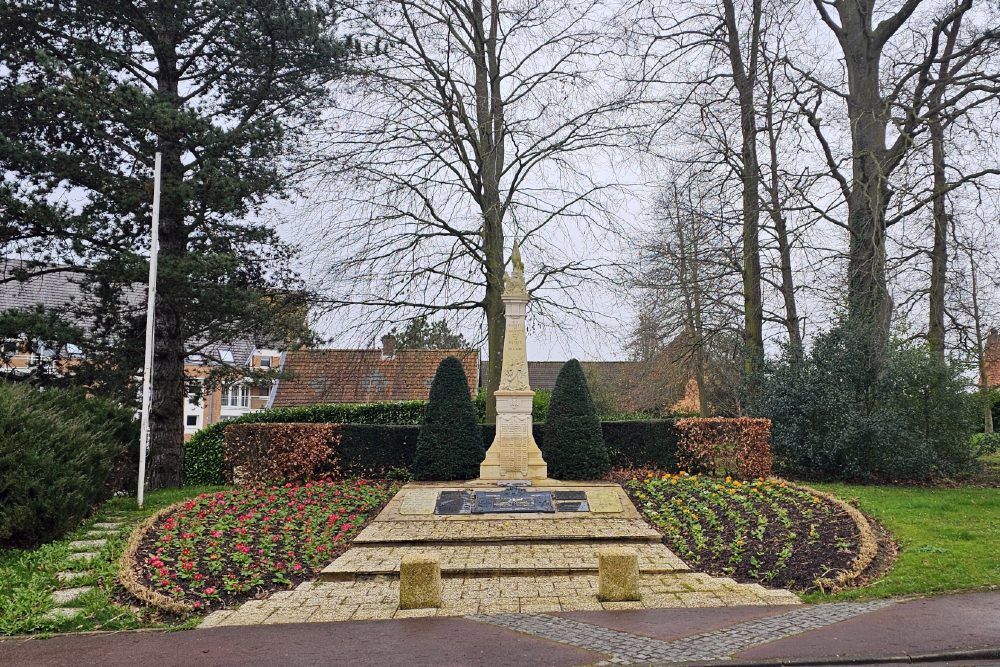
[224, 547]
[763, 530]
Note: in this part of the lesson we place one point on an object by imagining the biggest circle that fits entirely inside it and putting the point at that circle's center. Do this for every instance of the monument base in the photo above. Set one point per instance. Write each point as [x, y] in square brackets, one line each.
[514, 455]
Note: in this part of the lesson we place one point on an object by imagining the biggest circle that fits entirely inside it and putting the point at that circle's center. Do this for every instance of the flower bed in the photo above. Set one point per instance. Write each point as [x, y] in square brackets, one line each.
[764, 530]
[228, 546]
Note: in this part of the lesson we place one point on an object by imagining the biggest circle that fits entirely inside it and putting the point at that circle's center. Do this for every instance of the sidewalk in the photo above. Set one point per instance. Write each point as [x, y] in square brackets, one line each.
[741, 634]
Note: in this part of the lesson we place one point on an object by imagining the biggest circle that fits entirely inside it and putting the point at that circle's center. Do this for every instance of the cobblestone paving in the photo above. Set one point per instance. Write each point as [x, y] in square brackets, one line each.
[625, 648]
[377, 597]
[507, 530]
[485, 558]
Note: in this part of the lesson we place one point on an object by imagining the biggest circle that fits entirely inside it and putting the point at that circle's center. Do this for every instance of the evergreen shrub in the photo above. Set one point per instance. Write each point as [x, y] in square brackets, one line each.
[57, 452]
[834, 417]
[573, 442]
[450, 444]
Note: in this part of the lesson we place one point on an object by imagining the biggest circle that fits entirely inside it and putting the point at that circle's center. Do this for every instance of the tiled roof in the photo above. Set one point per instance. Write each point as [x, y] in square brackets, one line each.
[992, 358]
[543, 374]
[361, 376]
[55, 289]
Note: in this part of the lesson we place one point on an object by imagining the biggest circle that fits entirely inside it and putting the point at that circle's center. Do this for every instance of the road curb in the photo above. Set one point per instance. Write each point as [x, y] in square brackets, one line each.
[905, 659]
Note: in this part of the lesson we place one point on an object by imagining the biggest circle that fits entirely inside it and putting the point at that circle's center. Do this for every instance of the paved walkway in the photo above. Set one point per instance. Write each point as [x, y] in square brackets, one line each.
[882, 631]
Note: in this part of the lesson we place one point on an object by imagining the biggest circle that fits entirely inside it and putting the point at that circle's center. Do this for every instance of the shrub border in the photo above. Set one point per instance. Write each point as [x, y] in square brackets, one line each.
[867, 544]
[128, 568]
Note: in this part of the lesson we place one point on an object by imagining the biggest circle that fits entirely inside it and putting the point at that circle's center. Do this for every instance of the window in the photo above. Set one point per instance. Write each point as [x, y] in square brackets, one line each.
[226, 356]
[265, 362]
[236, 396]
[192, 420]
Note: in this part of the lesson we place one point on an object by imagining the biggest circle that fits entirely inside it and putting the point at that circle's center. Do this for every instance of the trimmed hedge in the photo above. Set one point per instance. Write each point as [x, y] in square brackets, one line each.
[203, 452]
[381, 450]
[276, 453]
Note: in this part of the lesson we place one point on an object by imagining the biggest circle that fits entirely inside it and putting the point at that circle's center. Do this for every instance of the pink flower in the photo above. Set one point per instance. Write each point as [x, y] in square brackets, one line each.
[210, 590]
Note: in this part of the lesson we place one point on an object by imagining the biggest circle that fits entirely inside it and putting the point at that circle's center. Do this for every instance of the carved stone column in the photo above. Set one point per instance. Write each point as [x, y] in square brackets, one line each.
[514, 453]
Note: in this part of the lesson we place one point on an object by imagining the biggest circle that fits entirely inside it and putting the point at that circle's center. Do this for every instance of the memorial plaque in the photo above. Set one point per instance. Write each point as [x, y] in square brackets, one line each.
[572, 506]
[454, 502]
[570, 495]
[512, 499]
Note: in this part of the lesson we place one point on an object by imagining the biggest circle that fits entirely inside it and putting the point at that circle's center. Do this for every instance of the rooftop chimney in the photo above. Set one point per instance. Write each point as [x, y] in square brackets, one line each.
[388, 346]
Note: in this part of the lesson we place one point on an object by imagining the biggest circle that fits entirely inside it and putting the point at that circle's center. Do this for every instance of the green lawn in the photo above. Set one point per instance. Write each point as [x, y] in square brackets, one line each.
[949, 538]
[27, 578]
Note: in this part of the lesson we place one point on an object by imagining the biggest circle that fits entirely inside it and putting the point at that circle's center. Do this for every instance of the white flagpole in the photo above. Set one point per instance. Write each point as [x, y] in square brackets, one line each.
[147, 372]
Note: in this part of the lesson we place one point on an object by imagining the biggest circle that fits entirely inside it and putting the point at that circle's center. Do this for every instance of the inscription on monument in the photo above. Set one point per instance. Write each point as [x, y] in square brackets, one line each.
[512, 499]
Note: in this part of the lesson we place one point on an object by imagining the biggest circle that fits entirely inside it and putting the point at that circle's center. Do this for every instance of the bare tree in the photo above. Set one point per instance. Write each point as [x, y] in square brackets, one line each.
[474, 120]
[889, 98]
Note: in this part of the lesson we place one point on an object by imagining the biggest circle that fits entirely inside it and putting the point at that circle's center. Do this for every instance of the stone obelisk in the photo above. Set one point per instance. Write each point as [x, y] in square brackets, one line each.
[514, 454]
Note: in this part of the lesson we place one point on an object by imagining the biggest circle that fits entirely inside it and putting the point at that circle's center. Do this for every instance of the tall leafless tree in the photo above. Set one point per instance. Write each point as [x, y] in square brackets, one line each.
[473, 121]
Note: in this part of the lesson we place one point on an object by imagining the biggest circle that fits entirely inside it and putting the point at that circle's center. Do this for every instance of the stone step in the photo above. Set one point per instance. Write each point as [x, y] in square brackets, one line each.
[67, 595]
[489, 559]
[87, 545]
[507, 530]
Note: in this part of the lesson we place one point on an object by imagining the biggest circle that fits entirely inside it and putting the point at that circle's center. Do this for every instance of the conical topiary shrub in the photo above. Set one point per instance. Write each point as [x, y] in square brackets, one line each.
[450, 444]
[573, 446]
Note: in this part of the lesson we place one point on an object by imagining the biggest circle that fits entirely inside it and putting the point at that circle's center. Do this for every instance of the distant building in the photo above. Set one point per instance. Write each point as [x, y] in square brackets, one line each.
[991, 354]
[364, 376]
[58, 289]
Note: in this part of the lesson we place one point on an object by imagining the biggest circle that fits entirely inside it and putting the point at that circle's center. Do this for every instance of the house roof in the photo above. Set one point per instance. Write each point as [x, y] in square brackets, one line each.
[543, 374]
[992, 358]
[56, 287]
[363, 376]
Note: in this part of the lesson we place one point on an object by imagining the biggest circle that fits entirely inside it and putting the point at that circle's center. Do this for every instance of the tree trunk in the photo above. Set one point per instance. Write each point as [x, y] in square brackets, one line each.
[869, 308]
[939, 252]
[744, 78]
[166, 426]
[984, 384]
[792, 324]
[491, 132]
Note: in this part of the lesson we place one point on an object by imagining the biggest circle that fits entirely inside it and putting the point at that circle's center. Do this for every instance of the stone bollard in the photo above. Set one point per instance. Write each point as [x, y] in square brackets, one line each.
[420, 581]
[618, 574]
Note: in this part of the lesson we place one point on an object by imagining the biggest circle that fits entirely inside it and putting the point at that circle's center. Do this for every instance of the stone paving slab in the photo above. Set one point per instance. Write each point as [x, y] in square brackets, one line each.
[377, 597]
[60, 613]
[81, 556]
[65, 595]
[107, 525]
[485, 558]
[86, 545]
[70, 577]
[494, 530]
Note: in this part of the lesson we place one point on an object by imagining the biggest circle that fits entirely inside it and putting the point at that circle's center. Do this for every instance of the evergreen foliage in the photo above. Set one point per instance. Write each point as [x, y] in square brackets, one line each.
[450, 444]
[57, 453]
[832, 418]
[574, 444]
[89, 92]
[420, 334]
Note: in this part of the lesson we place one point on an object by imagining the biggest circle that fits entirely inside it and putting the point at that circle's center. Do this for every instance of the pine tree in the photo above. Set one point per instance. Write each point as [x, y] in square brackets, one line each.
[573, 446]
[89, 91]
[450, 444]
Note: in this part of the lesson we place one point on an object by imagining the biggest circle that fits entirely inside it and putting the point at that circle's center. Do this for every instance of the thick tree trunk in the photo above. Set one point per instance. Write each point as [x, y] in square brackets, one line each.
[166, 427]
[939, 251]
[743, 78]
[868, 304]
[491, 132]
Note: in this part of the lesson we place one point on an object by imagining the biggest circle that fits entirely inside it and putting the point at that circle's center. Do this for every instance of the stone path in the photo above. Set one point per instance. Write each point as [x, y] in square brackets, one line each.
[553, 557]
[377, 597]
[627, 648]
[82, 550]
